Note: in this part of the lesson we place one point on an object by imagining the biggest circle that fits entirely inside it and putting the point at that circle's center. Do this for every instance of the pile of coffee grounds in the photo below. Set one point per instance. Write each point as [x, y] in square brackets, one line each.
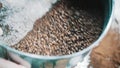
[64, 30]
[108, 51]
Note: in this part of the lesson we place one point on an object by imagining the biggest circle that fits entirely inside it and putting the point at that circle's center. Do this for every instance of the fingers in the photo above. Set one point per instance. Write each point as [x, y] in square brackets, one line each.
[19, 60]
[7, 64]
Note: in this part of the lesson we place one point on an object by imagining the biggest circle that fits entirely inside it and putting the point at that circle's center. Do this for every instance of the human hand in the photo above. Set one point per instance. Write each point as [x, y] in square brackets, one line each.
[18, 62]
[8, 64]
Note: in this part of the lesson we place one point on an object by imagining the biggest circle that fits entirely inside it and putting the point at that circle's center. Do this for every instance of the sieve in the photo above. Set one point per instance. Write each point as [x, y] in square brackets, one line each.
[65, 61]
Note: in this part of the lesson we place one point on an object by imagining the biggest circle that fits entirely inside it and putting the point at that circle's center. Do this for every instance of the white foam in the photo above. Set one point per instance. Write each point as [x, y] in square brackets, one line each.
[21, 15]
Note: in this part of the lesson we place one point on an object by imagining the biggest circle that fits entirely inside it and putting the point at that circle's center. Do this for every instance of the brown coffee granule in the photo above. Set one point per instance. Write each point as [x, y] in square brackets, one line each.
[64, 30]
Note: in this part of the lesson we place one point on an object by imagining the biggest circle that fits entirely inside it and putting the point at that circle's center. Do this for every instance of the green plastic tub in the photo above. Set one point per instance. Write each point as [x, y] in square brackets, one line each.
[65, 61]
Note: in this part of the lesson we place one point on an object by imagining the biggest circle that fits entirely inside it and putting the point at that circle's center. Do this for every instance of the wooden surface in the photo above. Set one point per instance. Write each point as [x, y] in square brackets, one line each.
[107, 54]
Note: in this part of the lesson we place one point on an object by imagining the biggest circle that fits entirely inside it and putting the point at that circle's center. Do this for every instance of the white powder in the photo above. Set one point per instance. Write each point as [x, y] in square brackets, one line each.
[1, 31]
[85, 62]
[20, 17]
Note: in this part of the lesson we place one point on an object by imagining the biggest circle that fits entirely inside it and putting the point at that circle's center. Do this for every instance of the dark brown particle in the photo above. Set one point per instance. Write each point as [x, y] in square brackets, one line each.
[63, 30]
[1, 5]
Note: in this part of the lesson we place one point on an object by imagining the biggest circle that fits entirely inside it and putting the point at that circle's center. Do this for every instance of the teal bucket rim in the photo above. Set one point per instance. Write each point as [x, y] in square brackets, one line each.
[4, 45]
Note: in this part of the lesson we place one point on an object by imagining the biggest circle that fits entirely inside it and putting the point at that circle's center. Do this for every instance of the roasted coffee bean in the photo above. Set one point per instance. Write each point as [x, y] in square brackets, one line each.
[63, 30]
